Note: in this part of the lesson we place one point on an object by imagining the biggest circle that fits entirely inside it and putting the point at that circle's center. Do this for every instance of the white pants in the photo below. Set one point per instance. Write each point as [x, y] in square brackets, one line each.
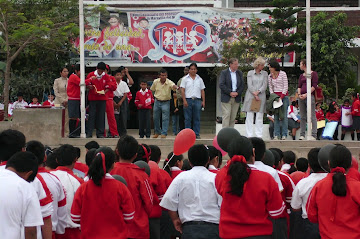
[249, 124]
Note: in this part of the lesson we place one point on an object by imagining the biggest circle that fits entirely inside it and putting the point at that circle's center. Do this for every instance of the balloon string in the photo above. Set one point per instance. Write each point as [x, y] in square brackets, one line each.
[169, 161]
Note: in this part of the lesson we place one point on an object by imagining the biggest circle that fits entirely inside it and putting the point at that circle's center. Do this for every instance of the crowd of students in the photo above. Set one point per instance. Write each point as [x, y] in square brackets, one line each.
[124, 193]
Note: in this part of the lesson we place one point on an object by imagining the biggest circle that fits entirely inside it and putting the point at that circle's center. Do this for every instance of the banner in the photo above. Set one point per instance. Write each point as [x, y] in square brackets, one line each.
[169, 36]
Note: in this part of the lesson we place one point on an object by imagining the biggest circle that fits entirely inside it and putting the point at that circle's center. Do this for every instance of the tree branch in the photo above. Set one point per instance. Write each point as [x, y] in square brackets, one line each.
[13, 57]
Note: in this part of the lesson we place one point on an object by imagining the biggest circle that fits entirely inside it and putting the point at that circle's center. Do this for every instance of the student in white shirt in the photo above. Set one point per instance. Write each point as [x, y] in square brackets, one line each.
[192, 199]
[121, 102]
[301, 194]
[20, 212]
[193, 95]
[19, 104]
[293, 118]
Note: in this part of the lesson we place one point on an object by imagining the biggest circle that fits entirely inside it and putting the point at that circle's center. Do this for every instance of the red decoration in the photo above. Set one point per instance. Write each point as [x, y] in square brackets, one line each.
[183, 141]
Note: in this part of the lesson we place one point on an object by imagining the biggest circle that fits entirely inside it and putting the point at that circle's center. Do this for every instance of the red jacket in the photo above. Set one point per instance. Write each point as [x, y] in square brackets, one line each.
[103, 211]
[286, 194]
[319, 115]
[141, 191]
[338, 217]
[112, 86]
[73, 87]
[48, 199]
[145, 100]
[248, 215]
[159, 186]
[101, 84]
[175, 173]
[336, 116]
[355, 108]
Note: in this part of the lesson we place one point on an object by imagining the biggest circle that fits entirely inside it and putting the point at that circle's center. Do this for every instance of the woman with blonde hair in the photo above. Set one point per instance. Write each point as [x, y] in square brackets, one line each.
[255, 98]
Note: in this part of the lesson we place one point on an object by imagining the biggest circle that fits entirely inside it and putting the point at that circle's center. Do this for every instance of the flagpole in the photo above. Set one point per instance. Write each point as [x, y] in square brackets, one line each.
[308, 69]
[82, 68]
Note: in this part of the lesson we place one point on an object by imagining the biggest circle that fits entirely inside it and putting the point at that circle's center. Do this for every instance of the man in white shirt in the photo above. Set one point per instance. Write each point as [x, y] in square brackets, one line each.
[231, 84]
[121, 102]
[192, 199]
[20, 212]
[193, 95]
[301, 194]
[19, 104]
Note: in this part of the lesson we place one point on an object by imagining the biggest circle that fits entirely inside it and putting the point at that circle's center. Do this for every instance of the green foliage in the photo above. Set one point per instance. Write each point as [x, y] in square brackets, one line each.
[331, 40]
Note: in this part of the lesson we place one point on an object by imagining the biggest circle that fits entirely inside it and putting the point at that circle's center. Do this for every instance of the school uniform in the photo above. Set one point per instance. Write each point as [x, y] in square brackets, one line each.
[213, 169]
[300, 197]
[293, 117]
[49, 103]
[80, 169]
[17, 105]
[248, 215]
[145, 99]
[193, 195]
[338, 217]
[121, 113]
[319, 116]
[19, 205]
[110, 107]
[336, 116]
[34, 105]
[273, 172]
[70, 183]
[355, 112]
[97, 103]
[175, 171]
[141, 191]
[103, 211]
[58, 217]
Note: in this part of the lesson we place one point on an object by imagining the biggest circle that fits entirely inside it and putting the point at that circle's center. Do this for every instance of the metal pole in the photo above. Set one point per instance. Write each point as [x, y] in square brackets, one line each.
[308, 68]
[82, 68]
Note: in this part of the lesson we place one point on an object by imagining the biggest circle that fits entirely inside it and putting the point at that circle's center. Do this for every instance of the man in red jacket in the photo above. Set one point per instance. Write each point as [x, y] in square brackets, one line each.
[99, 85]
[110, 105]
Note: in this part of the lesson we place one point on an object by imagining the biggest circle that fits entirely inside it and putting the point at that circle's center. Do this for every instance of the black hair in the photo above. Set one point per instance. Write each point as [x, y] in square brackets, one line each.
[62, 69]
[127, 147]
[120, 69]
[186, 165]
[294, 103]
[239, 171]
[141, 154]
[318, 103]
[332, 108]
[51, 160]
[11, 141]
[355, 95]
[193, 64]
[172, 162]
[274, 64]
[101, 66]
[302, 164]
[66, 155]
[259, 146]
[346, 101]
[90, 156]
[340, 156]
[38, 149]
[143, 81]
[278, 154]
[155, 153]
[144, 19]
[269, 158]
[198, 155]
[214, 152]
[314, 161]
[289, 157]
[96, 170]
[77, 67]
[162, 71]
[78, 152]
[24, 162]
[92, 145]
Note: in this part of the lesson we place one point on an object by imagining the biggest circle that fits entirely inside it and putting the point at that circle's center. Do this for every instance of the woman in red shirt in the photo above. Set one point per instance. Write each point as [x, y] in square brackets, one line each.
[334, 114]
[334, 202]
[355, 112]
[319, 116]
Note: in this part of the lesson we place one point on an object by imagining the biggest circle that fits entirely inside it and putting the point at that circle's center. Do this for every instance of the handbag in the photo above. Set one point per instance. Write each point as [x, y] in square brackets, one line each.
[255, 105]
[319, 96]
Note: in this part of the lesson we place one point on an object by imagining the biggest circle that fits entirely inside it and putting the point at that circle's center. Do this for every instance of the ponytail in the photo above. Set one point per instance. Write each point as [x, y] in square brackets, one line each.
[239, 172]
[170, 161]
[101, 164]
[240, 151]
[340, 161]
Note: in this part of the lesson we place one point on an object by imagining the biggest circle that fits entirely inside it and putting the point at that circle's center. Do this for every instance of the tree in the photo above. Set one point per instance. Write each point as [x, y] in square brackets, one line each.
[278, 34]
[331, 41]
[28, 26]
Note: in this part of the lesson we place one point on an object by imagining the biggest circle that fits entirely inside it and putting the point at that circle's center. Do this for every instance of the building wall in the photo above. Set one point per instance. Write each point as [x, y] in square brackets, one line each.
[314, 3]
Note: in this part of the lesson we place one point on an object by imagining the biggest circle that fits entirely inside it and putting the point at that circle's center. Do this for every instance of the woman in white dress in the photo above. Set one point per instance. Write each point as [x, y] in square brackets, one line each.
[257, 83]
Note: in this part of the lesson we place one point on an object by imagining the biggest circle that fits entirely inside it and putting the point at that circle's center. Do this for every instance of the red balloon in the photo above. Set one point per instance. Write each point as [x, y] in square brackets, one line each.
[184, 140]
[216, 145]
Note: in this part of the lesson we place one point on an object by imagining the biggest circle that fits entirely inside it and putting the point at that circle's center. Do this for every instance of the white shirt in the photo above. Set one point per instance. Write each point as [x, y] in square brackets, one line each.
[18, 105]
[192, 87]
[233, 80]
[121, 89]
[70, 185]
[294, 114]
[58, 217]
[262, 167]
[302, 191]
[193, 194]
[19, 205]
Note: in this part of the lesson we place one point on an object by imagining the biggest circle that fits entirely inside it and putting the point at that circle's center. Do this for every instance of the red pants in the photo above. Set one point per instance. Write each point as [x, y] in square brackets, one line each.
[111, 118]
[70, 233]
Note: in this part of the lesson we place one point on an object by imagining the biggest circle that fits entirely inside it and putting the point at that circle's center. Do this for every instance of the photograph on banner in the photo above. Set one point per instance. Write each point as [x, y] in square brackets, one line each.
[169, 36]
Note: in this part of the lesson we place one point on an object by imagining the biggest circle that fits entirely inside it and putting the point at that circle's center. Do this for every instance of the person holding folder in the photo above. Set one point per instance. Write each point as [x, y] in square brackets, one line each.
[255, 98]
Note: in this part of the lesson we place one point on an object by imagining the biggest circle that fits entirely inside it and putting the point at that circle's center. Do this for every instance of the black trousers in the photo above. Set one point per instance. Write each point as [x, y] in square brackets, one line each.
[97, 110]
[203, 231]
[144, 122]
[154, 227]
